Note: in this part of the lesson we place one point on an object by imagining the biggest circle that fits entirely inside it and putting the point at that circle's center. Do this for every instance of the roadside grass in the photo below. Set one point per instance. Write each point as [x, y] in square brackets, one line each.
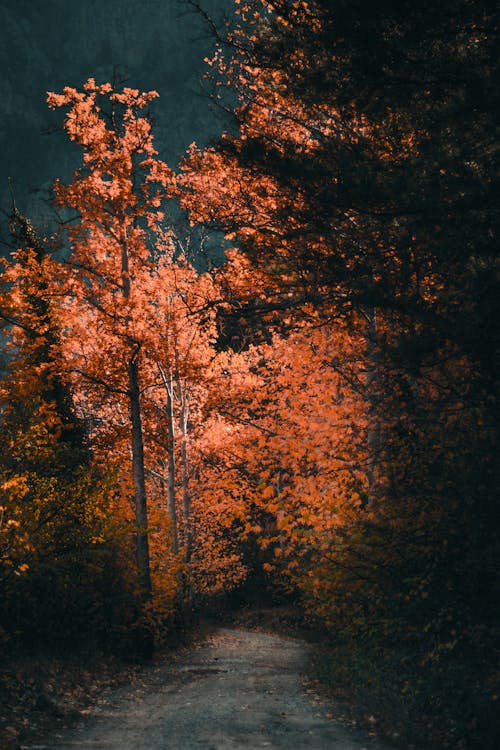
[441, 705]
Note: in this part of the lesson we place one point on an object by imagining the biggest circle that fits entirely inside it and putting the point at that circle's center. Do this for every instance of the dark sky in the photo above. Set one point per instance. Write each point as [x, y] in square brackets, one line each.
[47, 44]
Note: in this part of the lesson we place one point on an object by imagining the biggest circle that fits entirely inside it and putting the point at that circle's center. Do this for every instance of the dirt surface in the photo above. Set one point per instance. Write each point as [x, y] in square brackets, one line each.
[238, 689]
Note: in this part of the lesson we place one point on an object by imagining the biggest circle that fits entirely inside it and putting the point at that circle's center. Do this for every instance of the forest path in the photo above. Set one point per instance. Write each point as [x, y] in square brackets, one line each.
[237, 689]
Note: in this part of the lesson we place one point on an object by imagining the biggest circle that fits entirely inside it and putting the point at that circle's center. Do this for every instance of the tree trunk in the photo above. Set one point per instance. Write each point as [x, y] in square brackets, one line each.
[141, 512]
[186, 499]
[171, 464]
[372, 389]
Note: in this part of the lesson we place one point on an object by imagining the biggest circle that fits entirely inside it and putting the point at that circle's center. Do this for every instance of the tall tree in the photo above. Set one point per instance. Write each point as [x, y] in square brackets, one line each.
[117, 195]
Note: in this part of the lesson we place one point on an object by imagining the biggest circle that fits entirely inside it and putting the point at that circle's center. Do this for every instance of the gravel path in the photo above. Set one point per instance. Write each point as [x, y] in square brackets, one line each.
[239, 689]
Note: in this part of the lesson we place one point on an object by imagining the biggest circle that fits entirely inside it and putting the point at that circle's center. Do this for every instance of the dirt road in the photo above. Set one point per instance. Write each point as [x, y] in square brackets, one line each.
[239, 689]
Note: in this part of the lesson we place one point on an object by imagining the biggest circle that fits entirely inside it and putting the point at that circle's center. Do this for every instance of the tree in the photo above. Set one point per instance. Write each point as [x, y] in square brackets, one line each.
[139, 328]
[55, 526]
[183, 360]
[117, 195]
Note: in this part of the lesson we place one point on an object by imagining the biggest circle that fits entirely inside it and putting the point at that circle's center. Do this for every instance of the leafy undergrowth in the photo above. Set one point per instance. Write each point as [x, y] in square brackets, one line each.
[39, 694]
[436, 707]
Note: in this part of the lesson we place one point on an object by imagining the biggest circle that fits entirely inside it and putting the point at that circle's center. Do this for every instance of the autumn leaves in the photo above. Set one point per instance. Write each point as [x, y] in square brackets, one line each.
[280, 436]
[211, 446]
[140, 324]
